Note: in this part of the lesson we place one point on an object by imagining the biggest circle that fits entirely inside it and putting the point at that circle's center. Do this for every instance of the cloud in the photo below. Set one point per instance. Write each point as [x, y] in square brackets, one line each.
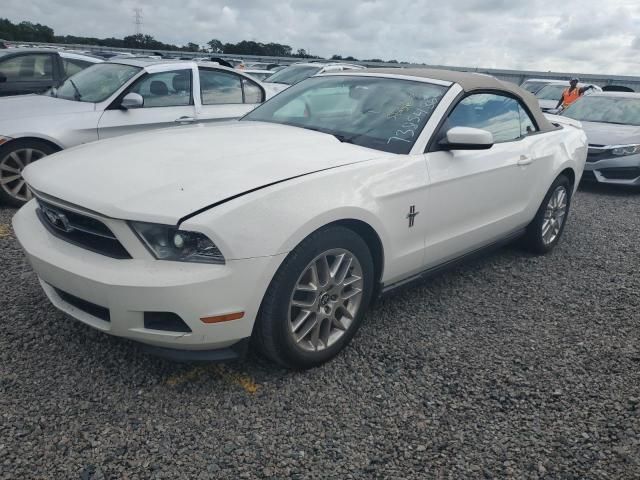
[572, 35]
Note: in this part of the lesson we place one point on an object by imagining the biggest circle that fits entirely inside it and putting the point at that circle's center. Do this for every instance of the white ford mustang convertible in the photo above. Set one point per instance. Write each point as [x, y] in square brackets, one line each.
[283, 226]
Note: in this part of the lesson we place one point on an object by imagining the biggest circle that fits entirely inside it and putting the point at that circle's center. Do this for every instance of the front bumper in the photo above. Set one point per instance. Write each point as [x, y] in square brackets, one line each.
[113, 295]
[616, 171]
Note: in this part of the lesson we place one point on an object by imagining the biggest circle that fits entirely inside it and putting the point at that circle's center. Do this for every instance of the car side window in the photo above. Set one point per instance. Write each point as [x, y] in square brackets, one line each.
[72, 66]
[252, 92]
[165, 89]
[497, 114]
[218, 87]
[527, 127]
[28, 68]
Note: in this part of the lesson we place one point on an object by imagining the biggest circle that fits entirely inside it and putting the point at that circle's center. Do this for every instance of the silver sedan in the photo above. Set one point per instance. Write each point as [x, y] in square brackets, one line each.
[116, 98]
[611, 121]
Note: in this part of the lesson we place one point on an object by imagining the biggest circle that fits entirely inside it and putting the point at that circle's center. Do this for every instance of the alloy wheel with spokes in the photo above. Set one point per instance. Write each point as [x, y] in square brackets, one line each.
[546, 228]
[325, 300]
[554, 215]
[12, 163]
[316, 301]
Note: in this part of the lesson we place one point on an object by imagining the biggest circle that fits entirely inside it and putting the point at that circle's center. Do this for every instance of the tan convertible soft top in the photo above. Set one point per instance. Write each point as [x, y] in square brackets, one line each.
[474, 81]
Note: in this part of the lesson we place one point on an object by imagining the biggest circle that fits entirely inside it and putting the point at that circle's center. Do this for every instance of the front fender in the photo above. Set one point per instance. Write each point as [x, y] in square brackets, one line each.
[274, 220]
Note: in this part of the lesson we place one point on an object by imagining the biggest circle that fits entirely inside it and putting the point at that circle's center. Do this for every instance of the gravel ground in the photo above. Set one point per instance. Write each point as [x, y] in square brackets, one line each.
[510, 367]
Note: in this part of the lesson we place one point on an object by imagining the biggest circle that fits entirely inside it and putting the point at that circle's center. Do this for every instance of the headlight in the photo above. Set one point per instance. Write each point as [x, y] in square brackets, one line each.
[626, 150]
[169, 243]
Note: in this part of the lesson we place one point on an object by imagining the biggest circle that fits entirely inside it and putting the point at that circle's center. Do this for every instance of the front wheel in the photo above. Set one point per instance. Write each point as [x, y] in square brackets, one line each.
[316, 301]
[14, 157]
[544, 232]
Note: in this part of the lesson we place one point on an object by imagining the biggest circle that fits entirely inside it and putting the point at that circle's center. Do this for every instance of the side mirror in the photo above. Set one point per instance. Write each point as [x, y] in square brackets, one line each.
[466, 138]
[132, 100]
[3, 77]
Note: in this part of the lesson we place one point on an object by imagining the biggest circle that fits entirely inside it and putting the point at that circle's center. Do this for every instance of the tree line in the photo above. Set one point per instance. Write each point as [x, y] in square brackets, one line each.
[35, 32]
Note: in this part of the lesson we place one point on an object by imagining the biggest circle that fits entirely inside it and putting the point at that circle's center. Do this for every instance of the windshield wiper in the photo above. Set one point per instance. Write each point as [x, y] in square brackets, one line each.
[346, 139]
[341, 138]
[78, 95]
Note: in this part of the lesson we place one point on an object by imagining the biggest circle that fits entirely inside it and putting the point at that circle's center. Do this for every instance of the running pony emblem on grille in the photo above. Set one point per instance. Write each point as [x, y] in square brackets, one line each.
[58, 220]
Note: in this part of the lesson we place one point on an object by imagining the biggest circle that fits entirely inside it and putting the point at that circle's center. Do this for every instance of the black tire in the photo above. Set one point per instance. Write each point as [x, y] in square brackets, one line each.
[272, 333]
[39, 147]
[533, 238]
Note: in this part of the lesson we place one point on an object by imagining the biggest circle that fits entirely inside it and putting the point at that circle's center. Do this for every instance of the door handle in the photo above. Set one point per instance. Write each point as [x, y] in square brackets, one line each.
[525, 160]
[185, 120]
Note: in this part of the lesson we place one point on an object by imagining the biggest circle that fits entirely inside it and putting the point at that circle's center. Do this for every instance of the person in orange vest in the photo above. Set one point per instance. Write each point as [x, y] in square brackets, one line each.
[572, 93]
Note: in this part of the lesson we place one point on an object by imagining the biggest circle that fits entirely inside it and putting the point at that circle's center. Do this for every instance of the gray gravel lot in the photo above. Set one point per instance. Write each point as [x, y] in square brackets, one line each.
[510, 367]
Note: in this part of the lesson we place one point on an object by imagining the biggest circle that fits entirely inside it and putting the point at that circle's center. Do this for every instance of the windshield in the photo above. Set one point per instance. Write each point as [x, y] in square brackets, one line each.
[382, 113]
[532, 86]
[621, 110]
[294, 74]
[96, 83]
[551, 92]
[260, 75]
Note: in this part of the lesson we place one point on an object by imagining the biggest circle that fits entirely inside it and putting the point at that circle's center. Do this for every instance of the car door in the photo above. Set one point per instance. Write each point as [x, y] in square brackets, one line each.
[167, 93]
[479, 196]
[28, 72]
[225, 95]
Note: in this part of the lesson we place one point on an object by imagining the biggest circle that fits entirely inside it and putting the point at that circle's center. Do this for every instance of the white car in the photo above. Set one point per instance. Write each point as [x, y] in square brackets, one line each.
[549, 95]
[299, 71]
[115, 98]
[284, 225]
[260, 75]
[533, 85]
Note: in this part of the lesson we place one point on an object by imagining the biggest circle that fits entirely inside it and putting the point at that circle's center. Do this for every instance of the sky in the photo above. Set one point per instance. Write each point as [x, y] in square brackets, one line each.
[548, 35]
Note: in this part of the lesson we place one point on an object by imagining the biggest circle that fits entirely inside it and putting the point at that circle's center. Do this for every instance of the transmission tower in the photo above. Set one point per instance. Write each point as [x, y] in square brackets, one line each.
[137, 20]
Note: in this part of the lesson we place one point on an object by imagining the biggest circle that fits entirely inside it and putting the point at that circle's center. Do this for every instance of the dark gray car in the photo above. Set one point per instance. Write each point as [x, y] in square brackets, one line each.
[34, 70]
[611, 121]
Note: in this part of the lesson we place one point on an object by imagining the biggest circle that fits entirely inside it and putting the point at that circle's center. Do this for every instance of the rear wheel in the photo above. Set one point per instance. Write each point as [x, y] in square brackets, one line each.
[544, 232]
[316, 300]
[14, 157]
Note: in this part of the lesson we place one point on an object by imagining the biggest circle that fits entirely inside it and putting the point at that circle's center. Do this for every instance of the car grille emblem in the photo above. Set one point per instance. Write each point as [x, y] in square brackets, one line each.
[58, 220]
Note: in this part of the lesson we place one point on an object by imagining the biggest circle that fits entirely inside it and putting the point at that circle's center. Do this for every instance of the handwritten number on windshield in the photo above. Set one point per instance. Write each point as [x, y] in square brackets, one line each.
[414, 117]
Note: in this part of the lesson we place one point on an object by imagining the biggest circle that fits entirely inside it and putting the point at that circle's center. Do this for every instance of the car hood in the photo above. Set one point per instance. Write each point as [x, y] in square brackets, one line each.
[165, 175]
[548, 104]
[610, 133]
[24, 106]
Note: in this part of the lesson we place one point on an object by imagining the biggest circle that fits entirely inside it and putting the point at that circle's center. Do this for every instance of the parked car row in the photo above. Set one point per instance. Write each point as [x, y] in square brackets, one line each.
[280, 227]
[125, 95]
[115, 98]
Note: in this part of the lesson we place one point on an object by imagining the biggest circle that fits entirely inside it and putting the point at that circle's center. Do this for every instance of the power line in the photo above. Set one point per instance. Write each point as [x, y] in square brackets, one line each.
[137, 20]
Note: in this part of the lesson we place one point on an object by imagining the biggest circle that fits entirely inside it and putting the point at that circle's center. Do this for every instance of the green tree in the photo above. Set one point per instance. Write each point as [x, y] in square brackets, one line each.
[215, 45]
[191, 47]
